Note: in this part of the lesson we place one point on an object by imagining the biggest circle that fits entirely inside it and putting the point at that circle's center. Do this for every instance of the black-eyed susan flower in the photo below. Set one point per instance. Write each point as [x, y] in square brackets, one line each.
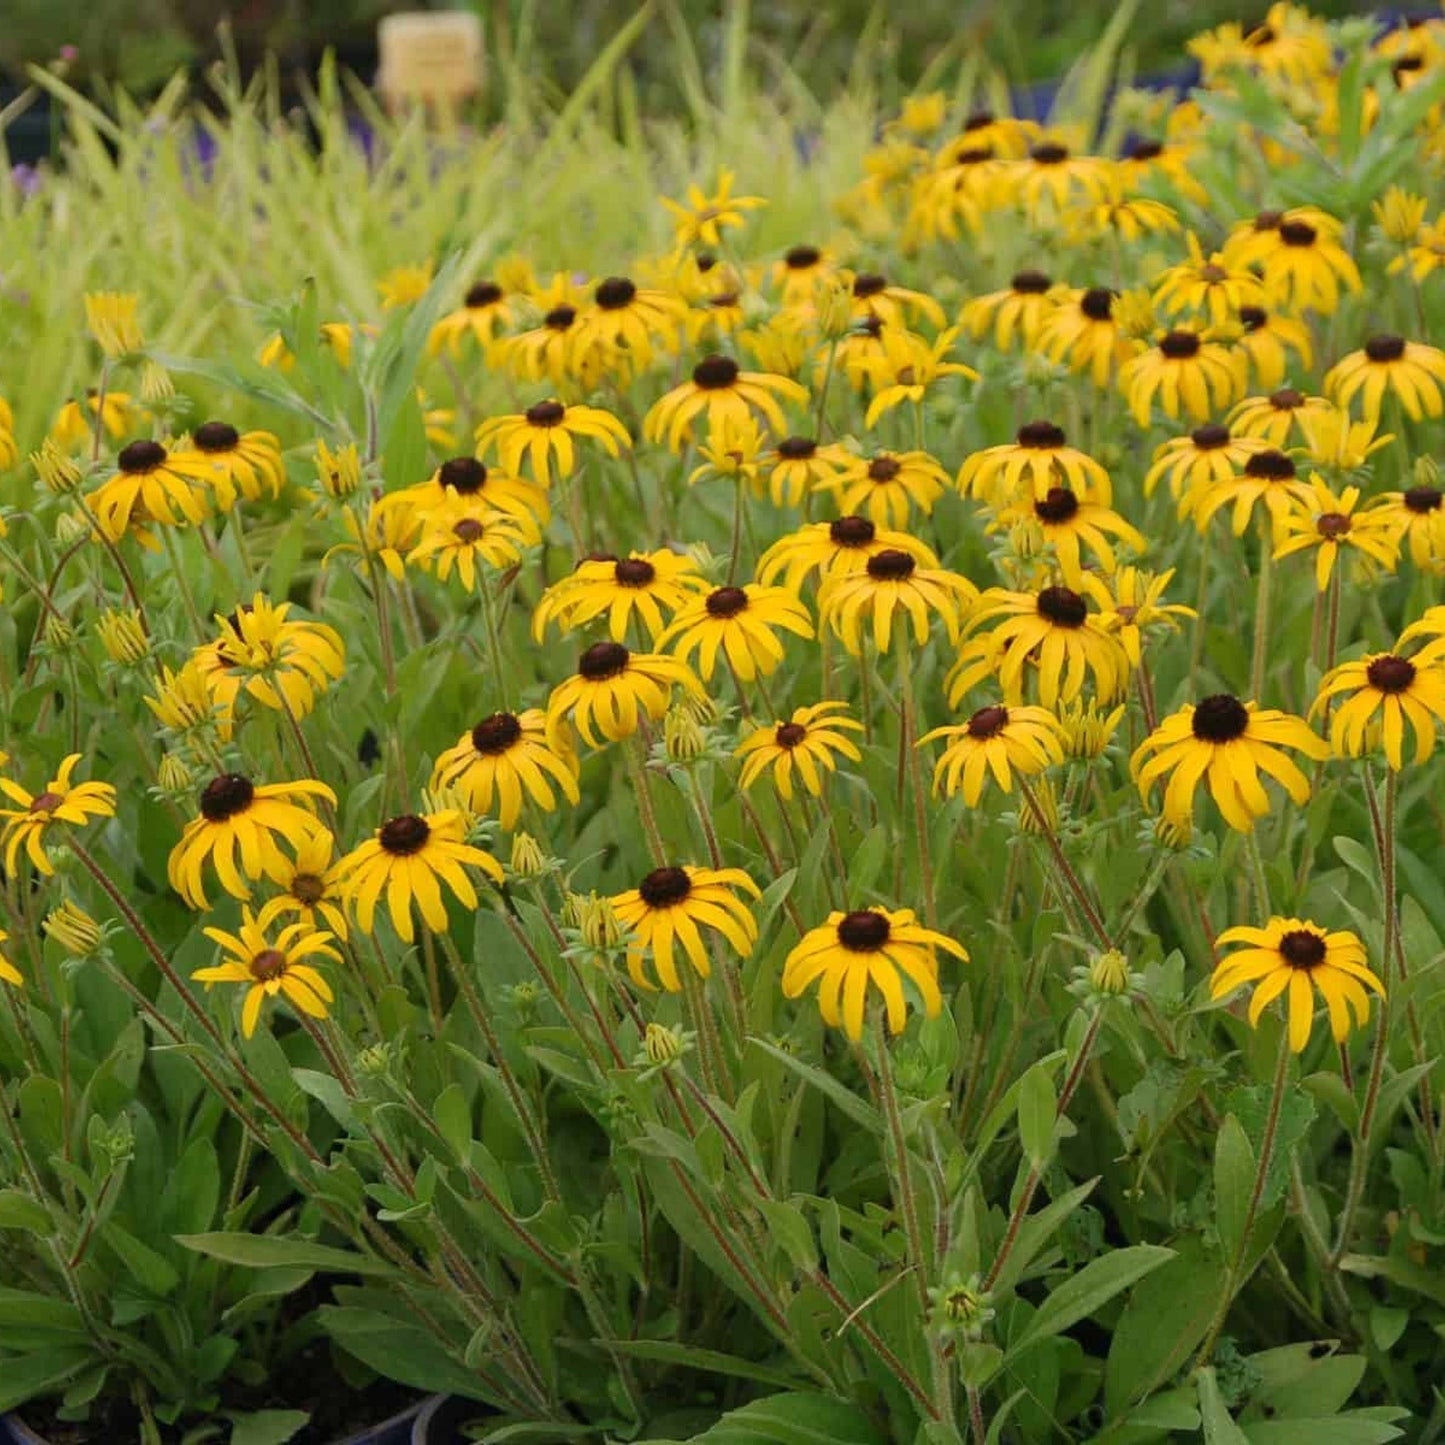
[869, 949]
[623, 326]
[996, 741]
[720, 392]
[1131, 601]
[962, 189]
[29, 822]
[1417, 517]
[1227, 743]
[1207, 287]
[612, 686]
[545, 432]
[1185, 371]
[1148, 160]
[232, 463]
[74, 424]
[796, 465]
[280, 657]
[701, 219]
[1296, 958]
[1387, 694]
[545, 352]
[1070, 524]
[8, 972]
[742, 623]
[1016, 314]
[1414, 372]
[666, 909]
[887, 485]
[391, 528]
[1290, 45]
[1037, 460]
[914, 366]
[1209, 454]
[310, 888]
[844, 545]
[1117, 214]
[1051, 632]
[243, 823]
[462, 535]
[809, 744]
[1329, 523]
[1269, 340]
[486, 309]
[271, 967]
[1082, 333]
[1333, 440]
[1274, 418]
[1399, 214]
[798, 272]
[874, 295]
[467, 479]
[1431, 628]
[409, 858]
[506, 759]
[1308, 267]
[642, 585]
[1054, 174]
[185, 700]
[404, 285]
[732, 449]
[1268, 476]
[1425, 254]
[892, 583]
[146, 487]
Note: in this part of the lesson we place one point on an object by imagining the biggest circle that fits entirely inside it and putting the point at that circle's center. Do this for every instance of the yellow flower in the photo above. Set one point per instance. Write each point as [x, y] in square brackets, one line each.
[147, 488]
[875, 297]
[798, 274]
[996, 740]
[36, 814]
[611, 686]
[185, 699]
[1208, 455]
[339, 472]
[74, 424]
[722, 393]
[112, 321]
[1229, 742]
[231, 462]
[1036, 461]
[1053, 176]
[1186, 371]
[1267, 340]
[309, 886]
[739, 622]
[1417, 517]
[914, 368]
[461, 532]
[1386, 692]
[508, 758]
[485, 309]
[57, 472]
[1086, 729]
[544, 432]
[804, 744]
[828, 547]
[73, 929]
[921, 115]
[886, 485]
[639, 585]
[1295, 957]
[873, 948]
[1118, 214]
[286, 663]
[1083, 333]
[123, 635]
[1269, 476]
[8, 972]
[1131, 600]
[623, 327]
[1015, 314]
[1330, 523]
[404, 285]
[889, 582]
[1289, 46]
[1399, 214]
[1272, 418]
[1210, 288]
[702, 220]
[409, 858]
[465, 479]
[1069, 522]
[387, 535]
[667, 907]
[545, 352]
[1333, 440]
[269, 968]
[1414, 372]
[798, 465]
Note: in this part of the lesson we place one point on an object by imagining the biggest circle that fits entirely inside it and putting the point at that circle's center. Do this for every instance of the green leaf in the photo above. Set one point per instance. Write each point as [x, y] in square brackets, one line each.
[1330, 1090]
[269, 1251]
[153, 1272]
[1037, 1230]
[1331, 1430]
[1219, 1426]
[452, 1115]
[40, 1372]
[665, 1352]
[1428, 1282]
[193, 1191]
[267, 1427]
[795, 1419]
[978, 1363]
[20, 1211]
[1094, 1286]
[38, 1312]
[399, 1351]
[1038, 1109]
[789, 1228]
[858, 1110]
[1234, 1168]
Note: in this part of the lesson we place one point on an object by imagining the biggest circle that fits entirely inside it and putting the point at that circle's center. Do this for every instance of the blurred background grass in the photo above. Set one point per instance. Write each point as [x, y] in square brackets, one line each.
[140, 43]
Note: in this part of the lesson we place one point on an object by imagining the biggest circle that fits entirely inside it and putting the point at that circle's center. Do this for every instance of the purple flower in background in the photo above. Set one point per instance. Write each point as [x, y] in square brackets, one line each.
[25, 178]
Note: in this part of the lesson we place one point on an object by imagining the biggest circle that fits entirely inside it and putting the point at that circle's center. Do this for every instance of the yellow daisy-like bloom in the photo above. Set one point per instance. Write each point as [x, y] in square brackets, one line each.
[1005, 135]
[1417, 518]
[1130, 601]
[186, 700]
[8, 972]
[1186, 371]
[874, 296]
[804, 744]
[1415, 373]
[392, 526]
[410, 857]
[1014, 315]
[733, 450]
[1082, 333]
[886, 485]
[1432, 627]
[281, 657]
[1118, 214]
[1052, 176]
[148, 487]
[959, 193]
[1296, 958]
[740, 621]
[544, 432]
[1069, 523]
[844, 545]
[998, 741]
[914, 367]
[461, 533]
[1269, 476]
[238, 817]
[1290, 46]
[1148, 160]
[1267, 341]
[1426, 255]
[232, 463]
[310, 886]
[485, 309]
[465, 479]
[1332, 440]
[1329, 523]
[1210, 454]
[74, 424]
[270, 968]
[1229, 742]
[404, 285]
[702, 220]
[546, 351]
[1307, 269]
[722, 393]
[59, 801]
[1036, 461]
[1387, 693]
[1087, 730]
[622, 328]
[1399, 214]
[892, 582]
[798, 464]
[640, 585]
[611, 686]
[1207, 287]
[1051, 630]
[110, 317]
[506, 759]
[1272, 418]
[870, 947]
[338, 337]
[797, 275]
[666, 908]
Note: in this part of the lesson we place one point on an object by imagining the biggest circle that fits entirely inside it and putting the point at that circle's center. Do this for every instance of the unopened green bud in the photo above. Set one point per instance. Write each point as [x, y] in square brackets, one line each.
[1109, 973]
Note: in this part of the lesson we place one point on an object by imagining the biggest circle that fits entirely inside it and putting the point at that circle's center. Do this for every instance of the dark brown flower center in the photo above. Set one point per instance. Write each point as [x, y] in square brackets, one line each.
[268, 965]
[851, 532]
[1287, 399]
[1040, 436]
[1253, 317]
[1212, 274]
[603, 660]
[546, 413]
[307, 888]
[403, 836]
[665, 886]
[1049, 154]
[884, 469]
[614, 293]
[1390, 673]
[1210, 437]
[1180, 345]
[484, 293]
[1268, 220]
[225, 796]
[979, 120]
[972, 155]
[705, 260]
[46, 802]
[1030, 283]
[1270, 466]
[1260, 37]
[463, 474]
[988, 722]
[871, 326]
[1058, 506]
[797, 449]
[802, 258]
[142, 456]
[790, 734]
[1331, 525]
[1423, 499]
[497, 733]
[634, 572]
[1144, 150]
[1097, 303]
[1377, 348]
[891, 565]
[216, 436]
[1406, 65]
[870, 283]
[723, 300]
[726, 602]
[864, 931]
[468, 530]
[1298, 233]
[715, 373]
[560, 318]
[1300, 948]
[1062, 606]
[1219, 719]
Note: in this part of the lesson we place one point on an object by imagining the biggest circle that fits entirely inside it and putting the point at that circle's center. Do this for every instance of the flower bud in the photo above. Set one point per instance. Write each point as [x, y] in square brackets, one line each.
[663, 1046]
[1087, 730]
[123, 637]
[173, 775]
[528, 858]
[1109, 973]
[683, 736]
[339, 472]
[155, 383]
[835, 308]
[1426, 472]
[1026, 539]
[70, 529]
[1048, 805]
[58, 473]
[961, 1308]
[1175, 836]
[1400, 214]
[595, 919]
[112, 321]
[73, 929]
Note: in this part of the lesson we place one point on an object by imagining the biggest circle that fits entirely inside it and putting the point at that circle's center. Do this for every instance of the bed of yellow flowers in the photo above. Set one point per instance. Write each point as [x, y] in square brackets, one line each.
[830, 833]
